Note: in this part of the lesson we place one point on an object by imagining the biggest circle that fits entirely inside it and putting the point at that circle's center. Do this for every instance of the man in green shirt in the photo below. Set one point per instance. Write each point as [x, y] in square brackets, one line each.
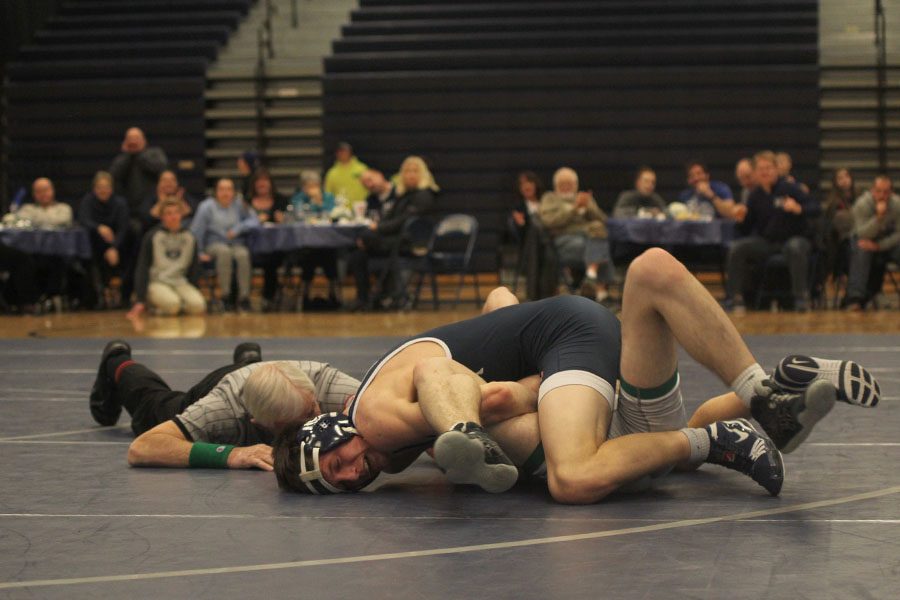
[342, 179]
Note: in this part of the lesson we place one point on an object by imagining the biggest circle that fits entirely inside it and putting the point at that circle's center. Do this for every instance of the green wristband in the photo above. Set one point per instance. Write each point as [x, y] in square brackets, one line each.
[209, 456]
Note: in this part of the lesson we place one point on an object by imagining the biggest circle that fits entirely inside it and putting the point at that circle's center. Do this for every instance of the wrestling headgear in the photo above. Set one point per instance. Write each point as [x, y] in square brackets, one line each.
[321, 434]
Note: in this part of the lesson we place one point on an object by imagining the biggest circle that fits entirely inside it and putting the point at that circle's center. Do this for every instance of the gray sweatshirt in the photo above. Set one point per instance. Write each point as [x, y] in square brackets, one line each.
[885, 231]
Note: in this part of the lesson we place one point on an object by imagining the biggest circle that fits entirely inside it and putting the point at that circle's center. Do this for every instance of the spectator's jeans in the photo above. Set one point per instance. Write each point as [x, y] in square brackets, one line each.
[747, 253]
[172, 299]
[579, 248]
[224, 254]
[860, 265]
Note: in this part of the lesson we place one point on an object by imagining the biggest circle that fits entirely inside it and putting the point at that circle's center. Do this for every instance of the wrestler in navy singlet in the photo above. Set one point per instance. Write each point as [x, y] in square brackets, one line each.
[555, 335]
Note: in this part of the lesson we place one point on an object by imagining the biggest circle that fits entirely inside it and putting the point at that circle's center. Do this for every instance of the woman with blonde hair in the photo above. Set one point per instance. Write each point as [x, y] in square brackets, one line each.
[416, 193]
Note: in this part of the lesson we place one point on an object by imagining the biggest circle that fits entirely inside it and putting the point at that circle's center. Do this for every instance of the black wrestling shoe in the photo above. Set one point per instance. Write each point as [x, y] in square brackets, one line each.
[854, 384]
[247, 353]
[737, 445]
[104, 407]
[468, 455]
[788, 417]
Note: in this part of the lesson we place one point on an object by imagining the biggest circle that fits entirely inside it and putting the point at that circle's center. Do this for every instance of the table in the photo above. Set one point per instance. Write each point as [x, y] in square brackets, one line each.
[67, 243]
[294, 236]
[650, 232]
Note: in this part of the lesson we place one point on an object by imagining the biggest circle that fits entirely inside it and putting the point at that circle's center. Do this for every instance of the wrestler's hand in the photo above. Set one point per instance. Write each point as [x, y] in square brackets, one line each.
[250, 457]
[502, 400]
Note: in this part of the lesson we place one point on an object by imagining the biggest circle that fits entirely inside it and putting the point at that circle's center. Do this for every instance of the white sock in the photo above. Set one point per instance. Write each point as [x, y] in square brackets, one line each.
[698, 438]
[745, 383]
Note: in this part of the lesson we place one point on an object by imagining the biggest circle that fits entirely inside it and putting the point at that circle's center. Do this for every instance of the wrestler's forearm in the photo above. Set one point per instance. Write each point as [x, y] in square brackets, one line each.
[502, 400]
[448, 393]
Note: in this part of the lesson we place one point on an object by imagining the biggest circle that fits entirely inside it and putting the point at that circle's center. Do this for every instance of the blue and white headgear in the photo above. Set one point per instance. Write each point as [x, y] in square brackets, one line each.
[321, 434]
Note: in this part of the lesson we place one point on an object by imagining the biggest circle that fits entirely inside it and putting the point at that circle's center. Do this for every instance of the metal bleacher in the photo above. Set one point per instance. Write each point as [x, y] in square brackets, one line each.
[484, 89]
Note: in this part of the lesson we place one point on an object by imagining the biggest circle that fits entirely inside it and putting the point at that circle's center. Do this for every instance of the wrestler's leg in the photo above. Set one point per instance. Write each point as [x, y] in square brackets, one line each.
[498, 298]
[663, 303]
[582, 466]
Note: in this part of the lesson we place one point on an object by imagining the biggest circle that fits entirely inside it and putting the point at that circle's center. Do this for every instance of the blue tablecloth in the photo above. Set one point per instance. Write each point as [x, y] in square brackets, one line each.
[718, 232]
[67, 243]
[281, 238]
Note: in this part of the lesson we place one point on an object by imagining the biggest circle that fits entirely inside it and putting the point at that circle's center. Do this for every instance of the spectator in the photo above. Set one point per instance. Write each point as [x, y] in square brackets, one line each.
[530, 189]
[247, 164]
[643, 199]
[837, 224]
[578, 228]
[743, 173]
[876, 216]
[136, 169]
[269, 206]
[343, 178]
[776, 220]
[166, 187]
[49, 272]
[785, 165]
[704, 197]
[167, 268]
[105, 216]
[416, 191]
[382, 193]
[310, 200]
[219, 226]
[45, 212]
[135, 172]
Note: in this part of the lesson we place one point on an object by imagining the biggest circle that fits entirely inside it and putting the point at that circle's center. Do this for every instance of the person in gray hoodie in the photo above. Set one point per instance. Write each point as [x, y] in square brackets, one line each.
[168, 268]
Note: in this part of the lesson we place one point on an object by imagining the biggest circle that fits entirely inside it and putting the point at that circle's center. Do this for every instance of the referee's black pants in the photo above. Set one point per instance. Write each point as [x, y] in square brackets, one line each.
[150, 401]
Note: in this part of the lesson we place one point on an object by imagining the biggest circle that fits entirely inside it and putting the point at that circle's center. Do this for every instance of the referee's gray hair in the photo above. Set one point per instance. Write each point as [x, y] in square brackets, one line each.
[280, 391]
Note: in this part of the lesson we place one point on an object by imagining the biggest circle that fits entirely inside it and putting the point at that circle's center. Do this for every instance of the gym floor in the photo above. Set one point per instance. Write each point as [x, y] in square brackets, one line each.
[77, 522]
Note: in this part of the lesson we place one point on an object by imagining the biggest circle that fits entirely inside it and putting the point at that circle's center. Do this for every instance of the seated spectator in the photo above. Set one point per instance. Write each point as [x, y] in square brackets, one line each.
[775, 220]
[530, 189]
[219, 226]
[785, 165]
[578, 228]
[743, 173]
[536, 252]
[310, 201]
[247, 164]
[837, 226]
[105, 216]
[416, 191]
[643, 199]
[168, 269]
[269, 206]
[166, 187]
[705, 198]
[876, 216]
[45, 212]
[382, 193]
[343, 178]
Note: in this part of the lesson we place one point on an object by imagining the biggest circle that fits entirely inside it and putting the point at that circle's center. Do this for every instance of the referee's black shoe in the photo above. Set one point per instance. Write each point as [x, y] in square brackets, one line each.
[104, 407]
[247, 353]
